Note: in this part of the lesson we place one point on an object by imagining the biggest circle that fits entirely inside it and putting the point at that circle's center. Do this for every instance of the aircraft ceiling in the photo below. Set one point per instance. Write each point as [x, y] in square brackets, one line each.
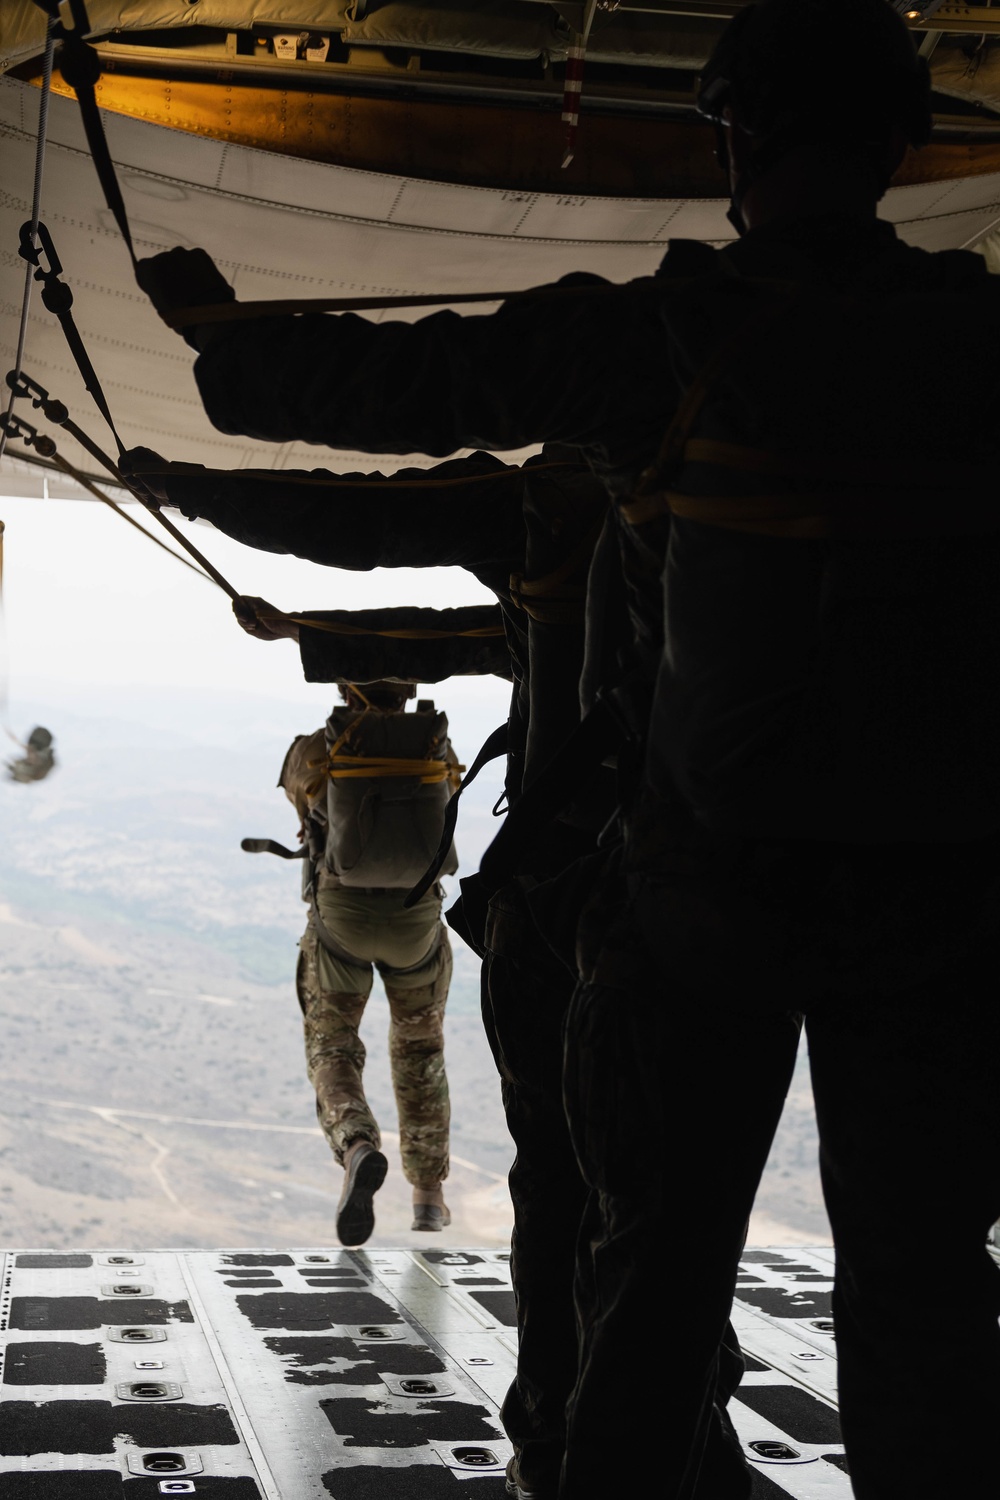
[284, 226]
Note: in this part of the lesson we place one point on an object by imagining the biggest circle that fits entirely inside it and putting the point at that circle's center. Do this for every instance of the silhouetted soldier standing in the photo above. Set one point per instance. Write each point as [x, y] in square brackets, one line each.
[817, 826]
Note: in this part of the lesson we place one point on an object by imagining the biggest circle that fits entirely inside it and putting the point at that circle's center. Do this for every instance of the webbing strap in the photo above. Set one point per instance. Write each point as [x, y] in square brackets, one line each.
[428, 772]
[494, 746]
[58, 299]
[80, 66]
[844, 513]
[36, 202]
[337, 627]
[82, 480]
[238, 312]
[672, 448]
[837, 469]
[557, 785]
[842, 497]
[46, 446]
[551, 599]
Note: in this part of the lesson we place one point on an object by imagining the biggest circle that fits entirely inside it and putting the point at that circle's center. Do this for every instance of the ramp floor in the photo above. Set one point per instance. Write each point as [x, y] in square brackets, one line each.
[356, 1375]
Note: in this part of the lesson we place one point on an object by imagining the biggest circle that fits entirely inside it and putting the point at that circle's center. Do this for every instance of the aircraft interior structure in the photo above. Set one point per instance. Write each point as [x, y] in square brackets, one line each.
[320, 148]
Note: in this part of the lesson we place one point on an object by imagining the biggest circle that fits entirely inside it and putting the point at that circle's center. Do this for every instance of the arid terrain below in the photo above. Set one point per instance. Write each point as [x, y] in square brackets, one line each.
[153, 1089]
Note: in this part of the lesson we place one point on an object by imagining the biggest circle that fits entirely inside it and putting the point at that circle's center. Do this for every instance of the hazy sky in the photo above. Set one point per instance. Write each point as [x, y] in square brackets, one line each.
[91, 603]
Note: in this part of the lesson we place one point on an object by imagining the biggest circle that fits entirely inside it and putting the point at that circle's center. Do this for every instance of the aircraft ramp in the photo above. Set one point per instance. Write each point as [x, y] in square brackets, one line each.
[356, 1375]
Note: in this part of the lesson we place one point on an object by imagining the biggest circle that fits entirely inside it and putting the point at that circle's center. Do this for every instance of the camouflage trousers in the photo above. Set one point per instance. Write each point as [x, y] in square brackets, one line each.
[335, 1053]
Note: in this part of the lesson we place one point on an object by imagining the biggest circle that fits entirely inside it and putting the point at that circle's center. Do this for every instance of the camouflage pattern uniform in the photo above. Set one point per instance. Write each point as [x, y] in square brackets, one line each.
[333, 992]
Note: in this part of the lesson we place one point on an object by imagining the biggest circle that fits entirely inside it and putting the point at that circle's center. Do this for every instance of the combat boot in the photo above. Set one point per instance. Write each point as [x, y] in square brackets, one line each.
[429, 1209]
[364, 1174]
[521, 1488]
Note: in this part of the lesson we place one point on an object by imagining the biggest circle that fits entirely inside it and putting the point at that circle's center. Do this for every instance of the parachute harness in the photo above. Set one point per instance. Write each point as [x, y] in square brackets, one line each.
[338, 766]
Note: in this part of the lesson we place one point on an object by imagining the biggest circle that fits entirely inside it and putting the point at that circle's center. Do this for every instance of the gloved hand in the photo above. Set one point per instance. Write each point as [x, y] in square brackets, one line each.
[182, 278]
[132, 464]
[249, 610]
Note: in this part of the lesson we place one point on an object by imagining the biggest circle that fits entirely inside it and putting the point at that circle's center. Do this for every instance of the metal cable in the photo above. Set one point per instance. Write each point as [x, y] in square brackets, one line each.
[36, 200]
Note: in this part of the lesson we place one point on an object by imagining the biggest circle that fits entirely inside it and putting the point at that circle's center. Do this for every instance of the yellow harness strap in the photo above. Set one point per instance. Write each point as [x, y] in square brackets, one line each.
[551, 599]
[837, 469]
[427, 772]
[854, 499]
[335, 627]
[338, 767]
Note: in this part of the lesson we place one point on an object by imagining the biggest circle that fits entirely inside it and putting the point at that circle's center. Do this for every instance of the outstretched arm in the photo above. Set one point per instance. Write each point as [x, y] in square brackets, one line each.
[579, 368]
[406, 644]
[465, 513]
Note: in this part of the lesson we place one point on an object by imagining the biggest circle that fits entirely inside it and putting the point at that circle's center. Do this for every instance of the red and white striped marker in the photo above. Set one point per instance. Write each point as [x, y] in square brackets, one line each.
[575, 59]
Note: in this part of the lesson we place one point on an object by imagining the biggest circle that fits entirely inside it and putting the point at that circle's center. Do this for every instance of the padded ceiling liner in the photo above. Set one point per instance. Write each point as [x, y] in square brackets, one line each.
[283, 227]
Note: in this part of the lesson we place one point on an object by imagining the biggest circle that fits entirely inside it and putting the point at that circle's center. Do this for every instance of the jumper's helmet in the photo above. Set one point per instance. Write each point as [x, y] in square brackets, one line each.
[841, 71]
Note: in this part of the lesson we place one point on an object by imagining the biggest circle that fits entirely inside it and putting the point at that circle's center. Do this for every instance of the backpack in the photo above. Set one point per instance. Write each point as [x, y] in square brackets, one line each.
[389, 778]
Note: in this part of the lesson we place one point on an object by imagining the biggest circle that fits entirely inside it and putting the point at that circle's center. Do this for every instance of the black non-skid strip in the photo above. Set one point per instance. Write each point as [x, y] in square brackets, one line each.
[334, 1273]
[800, 1416]
[206, 1487]
[415, 1482]
[47, 1262]
[314, 1311]
[499, 1305]
[334, 1278]
[340, 1361]
[240, 1274]
[69, 1314]
[801, 1270]
[766, 1489]
[782, 1302]
[72, 1484]
[380, 1424]
[51, 1362]
[839, 1461]
[478, 1281]
[92, 1426]
[249, 1259]
[108, 1484]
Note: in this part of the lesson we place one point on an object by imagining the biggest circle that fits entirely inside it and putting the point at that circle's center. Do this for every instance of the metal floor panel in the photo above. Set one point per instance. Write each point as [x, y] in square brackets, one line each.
[319, 1373]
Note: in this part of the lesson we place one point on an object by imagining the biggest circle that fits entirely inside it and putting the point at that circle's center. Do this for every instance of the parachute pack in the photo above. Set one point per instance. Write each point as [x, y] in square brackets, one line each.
[371, 789]
[389, 778]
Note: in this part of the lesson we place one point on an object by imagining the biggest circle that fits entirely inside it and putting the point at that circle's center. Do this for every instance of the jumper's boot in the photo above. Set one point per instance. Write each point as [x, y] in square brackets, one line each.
[523, 1487]
[429, 1209]
[364, 1174]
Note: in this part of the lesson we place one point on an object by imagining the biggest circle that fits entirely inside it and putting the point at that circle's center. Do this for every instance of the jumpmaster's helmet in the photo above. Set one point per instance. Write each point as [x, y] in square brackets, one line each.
[841, 71]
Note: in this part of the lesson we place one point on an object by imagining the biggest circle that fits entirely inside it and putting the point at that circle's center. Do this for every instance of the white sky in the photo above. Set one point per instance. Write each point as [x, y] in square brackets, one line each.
[90, 603]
